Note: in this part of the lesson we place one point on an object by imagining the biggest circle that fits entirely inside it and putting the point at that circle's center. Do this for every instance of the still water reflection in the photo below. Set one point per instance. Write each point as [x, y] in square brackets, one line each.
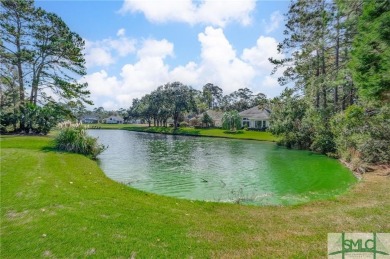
[214, 169]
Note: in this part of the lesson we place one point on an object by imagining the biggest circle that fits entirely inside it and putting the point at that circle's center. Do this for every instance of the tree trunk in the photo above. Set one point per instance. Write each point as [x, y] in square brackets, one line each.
[336, 94]
[20, 73]
[317, 75]
[323, 75]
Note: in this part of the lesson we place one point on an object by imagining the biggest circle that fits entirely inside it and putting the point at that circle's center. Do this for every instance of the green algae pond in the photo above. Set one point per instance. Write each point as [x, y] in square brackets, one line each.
[221, 170]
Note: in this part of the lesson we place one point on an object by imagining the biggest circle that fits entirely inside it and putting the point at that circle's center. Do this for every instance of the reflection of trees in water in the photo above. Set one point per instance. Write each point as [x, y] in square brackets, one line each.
[232, 170]
[170, 163]
[170, 152]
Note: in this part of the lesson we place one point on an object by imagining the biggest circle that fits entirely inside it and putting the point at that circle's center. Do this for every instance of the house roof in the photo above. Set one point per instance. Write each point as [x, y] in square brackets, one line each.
[115, 118]
[215, 115]
[89, 118]
[256, 114]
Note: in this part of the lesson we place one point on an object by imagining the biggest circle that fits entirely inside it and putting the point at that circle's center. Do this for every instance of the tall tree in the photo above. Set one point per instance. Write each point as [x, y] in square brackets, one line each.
[45, 53]
[15, 30]
[212, 95]
[318, 42]
[231, 120]
[58, 61]
[287, 120]
[371, 55]
[182, 99]
[15, 22]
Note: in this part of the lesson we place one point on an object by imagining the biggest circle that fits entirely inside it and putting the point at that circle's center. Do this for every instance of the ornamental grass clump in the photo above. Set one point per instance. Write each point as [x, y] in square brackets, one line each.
[73, 138]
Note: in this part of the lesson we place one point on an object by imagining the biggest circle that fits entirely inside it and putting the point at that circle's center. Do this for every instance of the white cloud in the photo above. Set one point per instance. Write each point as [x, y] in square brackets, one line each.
[122, 46]
[96, 56]
[155, 48]
[135, 79]
[219, 63]
[145, 75]
[100, 84]
[121, 32]
[258, 55]
[104, 52]
[214, 12]
[274, 22]
[188, 73]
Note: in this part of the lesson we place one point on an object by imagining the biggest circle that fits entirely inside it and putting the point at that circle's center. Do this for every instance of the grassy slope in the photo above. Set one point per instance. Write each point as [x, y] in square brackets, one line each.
[254, 135]
[61, 205]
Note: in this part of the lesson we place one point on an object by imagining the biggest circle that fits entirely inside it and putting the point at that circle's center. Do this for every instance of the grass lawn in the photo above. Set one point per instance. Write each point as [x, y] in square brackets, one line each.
[60, 205]
[242, 134]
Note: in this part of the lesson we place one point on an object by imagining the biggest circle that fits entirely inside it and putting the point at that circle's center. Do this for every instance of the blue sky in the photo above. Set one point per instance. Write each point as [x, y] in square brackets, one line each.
[133, 46]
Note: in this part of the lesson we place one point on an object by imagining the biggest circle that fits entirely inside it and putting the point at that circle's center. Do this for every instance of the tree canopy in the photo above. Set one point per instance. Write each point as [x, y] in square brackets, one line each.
[337, 59]
[41, 55]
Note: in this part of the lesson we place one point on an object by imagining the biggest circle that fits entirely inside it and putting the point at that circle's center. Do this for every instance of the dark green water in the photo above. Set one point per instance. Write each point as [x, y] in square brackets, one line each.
[214, 169]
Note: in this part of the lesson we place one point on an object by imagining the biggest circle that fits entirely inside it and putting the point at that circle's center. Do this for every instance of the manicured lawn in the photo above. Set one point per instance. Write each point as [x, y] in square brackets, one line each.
[242, 134]
[61, 205]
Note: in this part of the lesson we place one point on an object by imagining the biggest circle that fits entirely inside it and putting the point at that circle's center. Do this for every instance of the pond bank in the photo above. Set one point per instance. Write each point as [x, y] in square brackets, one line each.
[358, 171]
[62, 205]
[188, 131]
[215, 169]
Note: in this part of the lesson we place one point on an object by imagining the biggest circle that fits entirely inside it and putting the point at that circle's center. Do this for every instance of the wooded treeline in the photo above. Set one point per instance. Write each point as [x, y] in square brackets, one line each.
[41, 61]
[173, 100]
[338, 61]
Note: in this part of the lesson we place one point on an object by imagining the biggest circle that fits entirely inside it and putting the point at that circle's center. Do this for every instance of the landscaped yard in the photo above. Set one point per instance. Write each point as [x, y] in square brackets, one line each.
[205, 132]
[62, 205]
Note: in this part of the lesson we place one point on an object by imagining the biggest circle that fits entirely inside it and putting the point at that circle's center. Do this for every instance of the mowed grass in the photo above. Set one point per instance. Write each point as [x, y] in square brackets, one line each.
[61, 205]
[204, 132]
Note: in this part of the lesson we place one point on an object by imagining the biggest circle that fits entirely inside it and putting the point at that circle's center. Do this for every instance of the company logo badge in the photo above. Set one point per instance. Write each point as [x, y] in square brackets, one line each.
[359, 245]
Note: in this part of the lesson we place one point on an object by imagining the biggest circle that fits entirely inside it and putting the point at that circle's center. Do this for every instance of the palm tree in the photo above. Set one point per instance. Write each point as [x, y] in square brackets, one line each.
[231, 121]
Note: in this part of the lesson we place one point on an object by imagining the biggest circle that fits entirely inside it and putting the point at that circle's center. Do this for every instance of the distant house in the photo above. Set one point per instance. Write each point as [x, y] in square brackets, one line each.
[255, 118]
[89, 119]
[113, 120]
[216, 116]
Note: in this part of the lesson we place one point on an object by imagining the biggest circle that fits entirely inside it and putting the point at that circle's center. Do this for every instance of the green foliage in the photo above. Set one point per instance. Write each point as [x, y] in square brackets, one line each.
[212, 96]
[322, 137]
[287, 120]
[38, 51]
[363, 135]
[207, 120]
[62, 205]
[242, 99]
[169, 100]
[209, 132]
[76, 140]
[183, 124]
[338, 56]
[231, 121]
[371, 56]
[36, 119]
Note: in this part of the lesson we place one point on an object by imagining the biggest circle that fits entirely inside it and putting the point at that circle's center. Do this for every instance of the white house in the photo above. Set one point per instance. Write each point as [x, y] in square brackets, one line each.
[255, 118]
[113, 120]
[89, 119]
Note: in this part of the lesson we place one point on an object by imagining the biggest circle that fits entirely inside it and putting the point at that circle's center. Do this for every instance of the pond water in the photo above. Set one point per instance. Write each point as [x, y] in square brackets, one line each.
[215, 169]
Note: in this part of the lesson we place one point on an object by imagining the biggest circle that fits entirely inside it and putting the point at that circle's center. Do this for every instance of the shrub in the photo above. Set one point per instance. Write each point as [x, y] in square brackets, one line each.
[183, 124]
[231, 121]
[194, 122]
[74, 138]
[363, 134]
[207, 120]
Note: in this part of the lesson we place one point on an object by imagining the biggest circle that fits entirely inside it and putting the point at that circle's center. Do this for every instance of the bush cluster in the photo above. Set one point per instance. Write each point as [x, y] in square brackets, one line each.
[74, 138]
[30, 119]
[363, 135]
[183, 124]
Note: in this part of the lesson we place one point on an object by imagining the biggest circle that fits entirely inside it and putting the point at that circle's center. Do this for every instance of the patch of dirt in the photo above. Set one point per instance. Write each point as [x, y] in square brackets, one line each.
[16, 215]
[382, 170]
[362, 169]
